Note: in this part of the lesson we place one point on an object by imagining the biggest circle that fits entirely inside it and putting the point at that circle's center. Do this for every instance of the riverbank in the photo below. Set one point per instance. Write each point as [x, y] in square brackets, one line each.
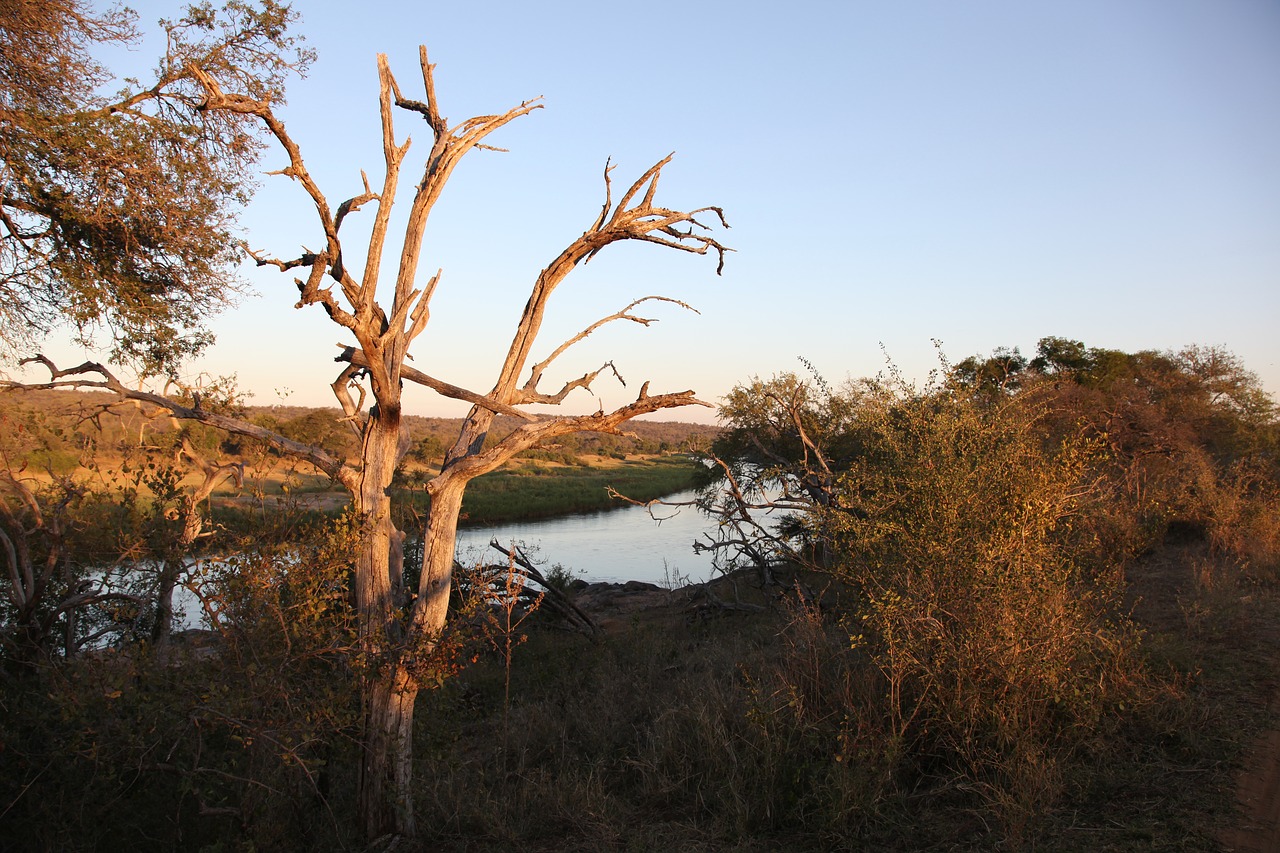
[127, 456]
[720, 717]
[523, 491]
[535, 491]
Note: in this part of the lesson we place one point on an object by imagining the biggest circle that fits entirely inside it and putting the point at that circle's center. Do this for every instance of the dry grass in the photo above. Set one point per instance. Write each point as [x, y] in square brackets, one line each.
[768, 731]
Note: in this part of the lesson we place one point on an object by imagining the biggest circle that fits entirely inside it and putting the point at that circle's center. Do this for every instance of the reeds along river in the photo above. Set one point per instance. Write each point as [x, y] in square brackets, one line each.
[616, 545]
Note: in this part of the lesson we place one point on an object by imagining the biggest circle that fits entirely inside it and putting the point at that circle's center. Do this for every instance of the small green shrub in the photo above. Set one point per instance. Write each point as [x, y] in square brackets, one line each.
[58, 462]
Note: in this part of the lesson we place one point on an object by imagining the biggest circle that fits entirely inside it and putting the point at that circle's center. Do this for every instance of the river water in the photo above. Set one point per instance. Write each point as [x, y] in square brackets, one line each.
[616, 545]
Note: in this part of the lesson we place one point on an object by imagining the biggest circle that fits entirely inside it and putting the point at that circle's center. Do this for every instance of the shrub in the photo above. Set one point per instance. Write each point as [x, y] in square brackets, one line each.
[239, 736]
[972, 543]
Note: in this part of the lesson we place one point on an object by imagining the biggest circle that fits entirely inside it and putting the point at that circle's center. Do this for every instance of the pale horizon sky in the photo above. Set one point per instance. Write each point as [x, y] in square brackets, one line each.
[981, 173]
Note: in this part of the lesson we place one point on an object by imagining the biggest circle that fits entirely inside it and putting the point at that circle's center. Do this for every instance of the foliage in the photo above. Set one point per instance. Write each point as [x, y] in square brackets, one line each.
[952, 670]
[241, 732]
[983, 524]
[985, 604]
[116, 210]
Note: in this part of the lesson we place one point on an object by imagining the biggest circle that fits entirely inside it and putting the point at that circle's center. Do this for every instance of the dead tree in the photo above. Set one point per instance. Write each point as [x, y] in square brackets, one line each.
[553, 598]
[399, 627]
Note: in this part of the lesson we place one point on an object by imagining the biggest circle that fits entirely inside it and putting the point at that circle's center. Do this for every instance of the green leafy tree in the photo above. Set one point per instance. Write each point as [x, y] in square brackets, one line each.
[1001, 372]
[116, 210]
[1059, 356]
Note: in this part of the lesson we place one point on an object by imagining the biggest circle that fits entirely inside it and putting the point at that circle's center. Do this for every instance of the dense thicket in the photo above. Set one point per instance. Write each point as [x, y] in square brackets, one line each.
[981, 527]
[1155, 438]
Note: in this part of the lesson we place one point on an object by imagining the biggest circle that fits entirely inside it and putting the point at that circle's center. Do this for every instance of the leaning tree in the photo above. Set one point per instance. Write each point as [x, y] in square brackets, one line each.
[400, 623]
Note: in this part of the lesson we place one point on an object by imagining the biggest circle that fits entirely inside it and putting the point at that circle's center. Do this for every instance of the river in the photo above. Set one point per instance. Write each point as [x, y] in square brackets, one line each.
[616, 545]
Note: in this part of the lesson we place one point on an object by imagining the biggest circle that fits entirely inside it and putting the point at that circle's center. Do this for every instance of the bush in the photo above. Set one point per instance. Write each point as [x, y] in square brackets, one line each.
[984, 602]
[241, 736]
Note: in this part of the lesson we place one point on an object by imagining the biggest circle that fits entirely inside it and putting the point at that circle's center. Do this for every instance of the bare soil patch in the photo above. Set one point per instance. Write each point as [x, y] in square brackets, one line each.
[1258, 796]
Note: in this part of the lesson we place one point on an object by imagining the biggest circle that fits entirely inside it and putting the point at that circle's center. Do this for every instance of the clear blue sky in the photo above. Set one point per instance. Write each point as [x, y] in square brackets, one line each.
[983, 173]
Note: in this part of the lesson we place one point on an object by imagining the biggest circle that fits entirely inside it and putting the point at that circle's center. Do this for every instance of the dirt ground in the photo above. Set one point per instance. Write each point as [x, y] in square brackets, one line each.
[1181, 590]
[1258, 796]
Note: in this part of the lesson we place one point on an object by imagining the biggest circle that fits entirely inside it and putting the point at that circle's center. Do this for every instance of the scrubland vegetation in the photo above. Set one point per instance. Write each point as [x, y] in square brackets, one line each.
[1029, 605]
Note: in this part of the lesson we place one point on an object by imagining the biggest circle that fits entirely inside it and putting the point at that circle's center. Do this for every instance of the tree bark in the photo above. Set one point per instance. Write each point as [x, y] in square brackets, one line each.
[386, 777]
[385, 793]
[379, 563]
[386, 773]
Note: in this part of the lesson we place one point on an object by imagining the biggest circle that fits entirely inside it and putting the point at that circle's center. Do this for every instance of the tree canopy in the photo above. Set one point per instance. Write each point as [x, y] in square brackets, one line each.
[117, 207]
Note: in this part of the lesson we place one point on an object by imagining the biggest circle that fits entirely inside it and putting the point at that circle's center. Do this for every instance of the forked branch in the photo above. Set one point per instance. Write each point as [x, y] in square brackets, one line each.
[544, 431]
[641, 220]
[357, 359]
[530, 394]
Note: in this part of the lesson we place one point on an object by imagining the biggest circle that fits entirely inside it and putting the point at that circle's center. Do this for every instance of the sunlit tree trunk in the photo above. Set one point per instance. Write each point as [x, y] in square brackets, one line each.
[386, 770]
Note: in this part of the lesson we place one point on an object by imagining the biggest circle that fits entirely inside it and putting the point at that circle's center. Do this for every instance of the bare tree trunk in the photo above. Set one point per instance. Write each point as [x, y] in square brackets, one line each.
[380, 561]
[170, 569]
[438, 552]
[385, 792]
[399, 628]
[385, 798]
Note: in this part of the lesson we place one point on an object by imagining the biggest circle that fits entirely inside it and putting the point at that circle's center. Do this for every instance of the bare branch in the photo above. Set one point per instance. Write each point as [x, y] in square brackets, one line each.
[216, 99]
[306, 259]
[422, 310]
[212, 473]
[584, 382]
[342, 390]
[393, 155]
[312, 293]
[359, 359]
[559, 602]
[84, 599]
[353, 204]
[529, 393]
[540, 432]
[428, 110]
[638, 222]
[449, 148]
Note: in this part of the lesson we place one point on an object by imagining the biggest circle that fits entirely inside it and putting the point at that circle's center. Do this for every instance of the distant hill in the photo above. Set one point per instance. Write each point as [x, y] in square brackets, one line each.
[54, 428]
